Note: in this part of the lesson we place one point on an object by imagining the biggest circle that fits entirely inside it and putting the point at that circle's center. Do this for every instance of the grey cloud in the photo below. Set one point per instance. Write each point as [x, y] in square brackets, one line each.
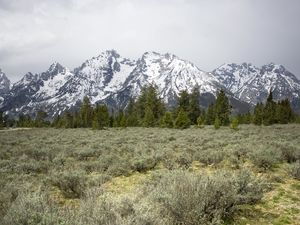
[206, 32]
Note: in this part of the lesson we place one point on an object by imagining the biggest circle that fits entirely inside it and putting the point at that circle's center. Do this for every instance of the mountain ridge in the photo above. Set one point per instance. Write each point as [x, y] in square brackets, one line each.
[112, 79]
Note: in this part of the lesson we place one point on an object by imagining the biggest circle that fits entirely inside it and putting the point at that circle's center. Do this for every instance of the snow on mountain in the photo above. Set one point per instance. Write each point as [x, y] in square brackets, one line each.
[4, 86]
[252, 84]
[4, 83]
[112, 79]
[170, 74]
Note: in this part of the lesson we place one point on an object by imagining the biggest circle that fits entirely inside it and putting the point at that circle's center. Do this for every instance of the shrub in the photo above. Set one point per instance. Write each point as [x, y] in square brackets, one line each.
[143, 164]
[295, 170]
[72, 184]
[290, 154]
[210, 157]
[34, 209]
[186, 198]
[264, 159]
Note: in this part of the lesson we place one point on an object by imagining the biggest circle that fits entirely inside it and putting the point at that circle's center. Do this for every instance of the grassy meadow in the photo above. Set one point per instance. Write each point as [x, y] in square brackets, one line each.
[149, 176]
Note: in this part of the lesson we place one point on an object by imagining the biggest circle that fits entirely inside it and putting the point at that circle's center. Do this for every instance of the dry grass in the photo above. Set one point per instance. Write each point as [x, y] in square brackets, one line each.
[120, 163]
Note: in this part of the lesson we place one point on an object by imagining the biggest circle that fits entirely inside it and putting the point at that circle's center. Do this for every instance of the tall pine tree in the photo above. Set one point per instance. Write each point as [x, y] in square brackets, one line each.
[101, 117]
[222, 108]
[269, 113]
[86, 113]
[194, 109]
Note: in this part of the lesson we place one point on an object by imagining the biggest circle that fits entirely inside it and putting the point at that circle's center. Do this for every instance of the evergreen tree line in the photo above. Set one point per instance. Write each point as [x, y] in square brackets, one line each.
[270, 113]
[148, 110]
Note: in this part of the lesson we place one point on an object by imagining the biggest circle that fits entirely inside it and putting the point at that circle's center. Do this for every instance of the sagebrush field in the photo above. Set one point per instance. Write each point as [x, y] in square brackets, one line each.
[150, 176]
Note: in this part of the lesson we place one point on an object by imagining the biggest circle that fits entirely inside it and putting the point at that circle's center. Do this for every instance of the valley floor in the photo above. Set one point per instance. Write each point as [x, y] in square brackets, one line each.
[151, 176]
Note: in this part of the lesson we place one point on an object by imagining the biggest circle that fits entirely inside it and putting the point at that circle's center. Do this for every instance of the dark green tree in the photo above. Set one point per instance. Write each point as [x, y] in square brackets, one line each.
[86, 113]
[194, 109]
[258, 114]
[222, 108]
[182, 121]
[149, 119]
[269, 112]
[40, 119]
[101, 117]
[284, 112]
[184, 101]
[68, 120]
[210, 115]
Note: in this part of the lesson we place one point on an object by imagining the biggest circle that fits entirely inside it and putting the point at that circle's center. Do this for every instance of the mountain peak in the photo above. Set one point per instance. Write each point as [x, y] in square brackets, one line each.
[56, 68]
[4, 83]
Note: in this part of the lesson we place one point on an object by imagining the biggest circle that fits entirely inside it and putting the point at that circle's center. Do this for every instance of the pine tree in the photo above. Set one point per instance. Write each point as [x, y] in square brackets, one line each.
[258, 114]
[101, 117]
[24, 121]
[118, 118]
[123, 122]
[40, 119]
[167, 120]
[149, 119]
[194, 105]
[86, 113]
[184, 101]
[284, 113]
[131, 114]
[269, 112]
[68, 120]
[210, 115]
[222, 108]
[182, 121]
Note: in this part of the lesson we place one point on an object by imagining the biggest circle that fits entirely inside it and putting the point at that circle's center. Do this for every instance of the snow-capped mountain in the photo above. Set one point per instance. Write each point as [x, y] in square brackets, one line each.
[112, 79]
[170, 74]
[252, 84]
[4, 86]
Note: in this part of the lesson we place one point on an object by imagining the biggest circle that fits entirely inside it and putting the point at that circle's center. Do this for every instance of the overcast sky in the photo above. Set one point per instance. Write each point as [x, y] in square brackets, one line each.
[34, 33]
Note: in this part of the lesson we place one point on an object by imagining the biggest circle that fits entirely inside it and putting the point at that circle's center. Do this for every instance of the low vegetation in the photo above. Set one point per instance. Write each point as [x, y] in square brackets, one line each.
[150, 175]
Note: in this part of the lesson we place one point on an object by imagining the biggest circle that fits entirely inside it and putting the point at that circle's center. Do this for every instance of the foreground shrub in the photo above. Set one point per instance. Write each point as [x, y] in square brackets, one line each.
[295, 170]
[34, 209]
[264, 159]
[186, 198]
[290, 154]
[72, 184]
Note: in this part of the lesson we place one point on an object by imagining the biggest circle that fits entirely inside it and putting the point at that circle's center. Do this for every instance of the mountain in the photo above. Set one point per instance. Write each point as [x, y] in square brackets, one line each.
[4, 86]
[170, 74]
[112, 79]
[252, 84]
